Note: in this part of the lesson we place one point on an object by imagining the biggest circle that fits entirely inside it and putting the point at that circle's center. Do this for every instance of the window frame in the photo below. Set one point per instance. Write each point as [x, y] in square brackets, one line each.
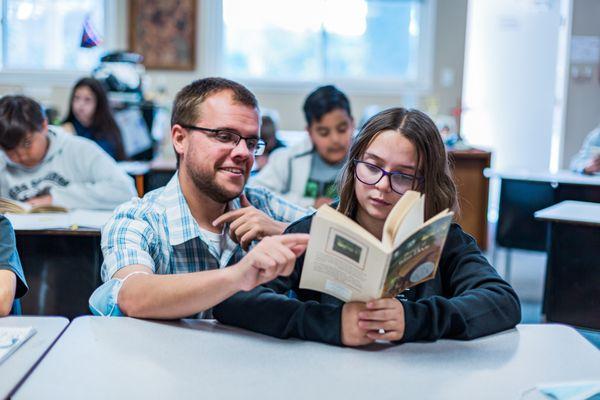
[368, 86]
[65, 76]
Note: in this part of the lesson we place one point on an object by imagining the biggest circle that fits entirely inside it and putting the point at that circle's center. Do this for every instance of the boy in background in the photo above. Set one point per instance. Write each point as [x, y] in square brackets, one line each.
[12, 280]
[43, 165]
[305, 173]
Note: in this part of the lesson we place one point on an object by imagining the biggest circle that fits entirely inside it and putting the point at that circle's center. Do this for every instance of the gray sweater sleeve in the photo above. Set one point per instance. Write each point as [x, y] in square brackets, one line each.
[101, 184]
[585, 155]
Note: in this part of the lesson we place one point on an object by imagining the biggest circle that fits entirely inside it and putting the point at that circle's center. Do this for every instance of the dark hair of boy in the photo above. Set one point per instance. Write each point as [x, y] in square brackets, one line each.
[19, 116]
[104, 126]
[186, 106]
[323, 100]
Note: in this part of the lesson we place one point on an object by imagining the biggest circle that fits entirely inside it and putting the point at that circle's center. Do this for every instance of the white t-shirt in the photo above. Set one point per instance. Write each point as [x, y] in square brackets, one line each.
[218, 242]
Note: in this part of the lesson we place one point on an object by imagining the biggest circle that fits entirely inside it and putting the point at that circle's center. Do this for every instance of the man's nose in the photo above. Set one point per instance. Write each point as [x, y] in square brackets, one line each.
[241, 150]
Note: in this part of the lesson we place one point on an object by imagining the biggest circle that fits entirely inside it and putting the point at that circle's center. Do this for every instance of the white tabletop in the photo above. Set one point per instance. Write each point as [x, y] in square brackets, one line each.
[580, 212]
[18, 364]
[101, 358]
[562, 176]
[72, 220]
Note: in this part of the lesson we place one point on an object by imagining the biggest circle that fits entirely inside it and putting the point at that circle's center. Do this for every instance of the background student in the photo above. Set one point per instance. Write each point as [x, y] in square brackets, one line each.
[12, 280]
[397, 150]
[43, 165]
[268, 133]
[305, 174]
[587, 161]
[90, 116]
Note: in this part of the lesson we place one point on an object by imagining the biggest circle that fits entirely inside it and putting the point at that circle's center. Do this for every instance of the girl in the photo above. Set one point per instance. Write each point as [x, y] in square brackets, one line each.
[90, 116]
[465, 300]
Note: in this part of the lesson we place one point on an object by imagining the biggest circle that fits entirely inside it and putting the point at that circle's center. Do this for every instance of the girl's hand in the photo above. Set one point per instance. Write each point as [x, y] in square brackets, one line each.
[383, 319]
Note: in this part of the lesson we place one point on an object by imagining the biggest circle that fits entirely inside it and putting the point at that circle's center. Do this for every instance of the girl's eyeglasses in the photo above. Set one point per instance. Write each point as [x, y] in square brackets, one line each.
[371, 174]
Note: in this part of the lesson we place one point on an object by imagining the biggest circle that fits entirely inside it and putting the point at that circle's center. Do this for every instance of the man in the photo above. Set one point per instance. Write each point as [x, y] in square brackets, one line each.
[12, 280]
[43, 165]
[587, 161]
[164, 254]
[305, 174]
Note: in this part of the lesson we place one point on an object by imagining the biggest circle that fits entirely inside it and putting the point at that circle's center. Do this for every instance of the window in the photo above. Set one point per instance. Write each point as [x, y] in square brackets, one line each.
[46, 34]
[318, 40]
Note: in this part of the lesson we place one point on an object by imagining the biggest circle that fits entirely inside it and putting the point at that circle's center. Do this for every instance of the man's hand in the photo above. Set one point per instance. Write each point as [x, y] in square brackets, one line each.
[352, 333]
[273, 256]
[322, 200]
[43, 200]
[383, 319]
[248, 223]
[593, 166]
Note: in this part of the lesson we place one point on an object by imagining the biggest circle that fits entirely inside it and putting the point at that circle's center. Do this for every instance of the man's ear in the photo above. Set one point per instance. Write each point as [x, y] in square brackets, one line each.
[179, 137]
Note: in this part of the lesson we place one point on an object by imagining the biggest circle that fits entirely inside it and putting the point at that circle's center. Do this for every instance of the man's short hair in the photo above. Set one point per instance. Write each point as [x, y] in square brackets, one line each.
[186, 108]
[323, 100]
[19, 116]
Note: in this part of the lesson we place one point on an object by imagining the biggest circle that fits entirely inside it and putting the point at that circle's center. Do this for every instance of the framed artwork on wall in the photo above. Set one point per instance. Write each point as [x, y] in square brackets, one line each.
[164, 33]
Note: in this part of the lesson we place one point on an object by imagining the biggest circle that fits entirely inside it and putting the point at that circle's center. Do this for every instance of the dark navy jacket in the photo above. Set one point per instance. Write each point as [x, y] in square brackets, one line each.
[465, 300]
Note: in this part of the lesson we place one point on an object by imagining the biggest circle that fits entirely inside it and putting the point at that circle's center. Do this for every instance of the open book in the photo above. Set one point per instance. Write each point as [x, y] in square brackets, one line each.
[19, 207]
[11, 338]
[346, 261]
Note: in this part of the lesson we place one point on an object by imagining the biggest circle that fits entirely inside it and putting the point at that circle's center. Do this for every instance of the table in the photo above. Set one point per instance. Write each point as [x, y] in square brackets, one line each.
[572, 291]
[103, 358]
[18, 365]
[62, 268]
[522, 193]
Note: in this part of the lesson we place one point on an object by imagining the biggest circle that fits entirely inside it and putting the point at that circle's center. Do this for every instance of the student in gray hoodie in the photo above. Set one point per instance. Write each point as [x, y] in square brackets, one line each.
[43, 165]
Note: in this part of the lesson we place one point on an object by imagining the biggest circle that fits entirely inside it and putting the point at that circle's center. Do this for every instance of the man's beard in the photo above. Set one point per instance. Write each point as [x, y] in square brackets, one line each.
[205, 183]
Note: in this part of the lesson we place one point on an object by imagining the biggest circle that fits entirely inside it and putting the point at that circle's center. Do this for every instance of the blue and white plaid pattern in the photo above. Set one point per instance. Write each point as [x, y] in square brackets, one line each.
[159, 231]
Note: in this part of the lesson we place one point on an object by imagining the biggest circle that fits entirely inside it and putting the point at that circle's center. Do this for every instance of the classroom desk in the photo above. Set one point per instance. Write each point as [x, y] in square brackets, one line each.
[18, 365]
[522, 193]
[101, 358]
[62, 268]
[571, 293]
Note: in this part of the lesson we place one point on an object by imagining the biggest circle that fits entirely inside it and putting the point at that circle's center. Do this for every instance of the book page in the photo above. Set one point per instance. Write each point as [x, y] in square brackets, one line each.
[416, 260]
[404, 218]
[342, 258]
[412, 221]
[13, 206]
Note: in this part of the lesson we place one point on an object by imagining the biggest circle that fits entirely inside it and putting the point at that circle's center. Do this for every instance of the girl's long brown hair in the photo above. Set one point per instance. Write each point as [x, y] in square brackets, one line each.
[432, 160]
[103, 126]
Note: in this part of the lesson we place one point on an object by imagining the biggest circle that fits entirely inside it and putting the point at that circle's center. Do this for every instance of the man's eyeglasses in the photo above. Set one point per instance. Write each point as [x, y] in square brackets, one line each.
[371, 174]
[231, 138]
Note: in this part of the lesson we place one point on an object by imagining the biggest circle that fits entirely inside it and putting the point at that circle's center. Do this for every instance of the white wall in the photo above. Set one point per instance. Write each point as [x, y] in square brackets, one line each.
[583, 99]
[510, 79]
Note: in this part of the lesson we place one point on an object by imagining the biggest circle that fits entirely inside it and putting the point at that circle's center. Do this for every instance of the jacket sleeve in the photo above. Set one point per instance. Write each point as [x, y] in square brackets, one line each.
[276, 176]
[269, 310]
[9, 258]
[102, 184]
[476, 301]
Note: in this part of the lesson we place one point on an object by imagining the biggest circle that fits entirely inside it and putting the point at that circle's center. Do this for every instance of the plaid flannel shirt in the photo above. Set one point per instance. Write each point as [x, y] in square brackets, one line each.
[160, 232]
